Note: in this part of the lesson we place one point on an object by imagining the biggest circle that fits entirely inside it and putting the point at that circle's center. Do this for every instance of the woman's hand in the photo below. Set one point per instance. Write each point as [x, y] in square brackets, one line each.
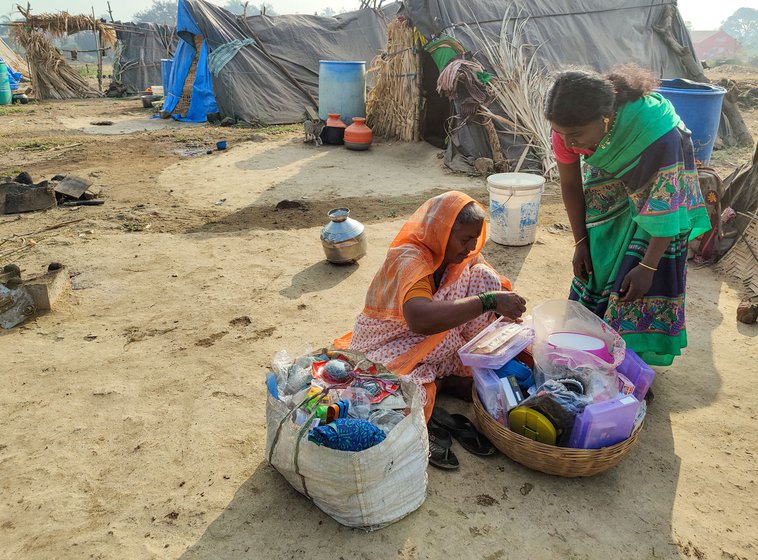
[510, 305]
[582, 261]
[636, 284]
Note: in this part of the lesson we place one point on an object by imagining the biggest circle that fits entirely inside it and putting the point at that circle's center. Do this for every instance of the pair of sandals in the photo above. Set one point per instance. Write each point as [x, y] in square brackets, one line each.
[442, 428]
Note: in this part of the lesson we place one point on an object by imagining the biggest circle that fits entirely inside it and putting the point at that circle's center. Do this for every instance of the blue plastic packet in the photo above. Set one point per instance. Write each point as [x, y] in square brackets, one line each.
[347, 434]
[273, 388]
[520, 371]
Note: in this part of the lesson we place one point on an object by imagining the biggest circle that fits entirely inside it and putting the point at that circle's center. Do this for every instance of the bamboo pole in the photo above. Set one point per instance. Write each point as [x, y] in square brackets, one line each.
[110, 12]
[98, 46]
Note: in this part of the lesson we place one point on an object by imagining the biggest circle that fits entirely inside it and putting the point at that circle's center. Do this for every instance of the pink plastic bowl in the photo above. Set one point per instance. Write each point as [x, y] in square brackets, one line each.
[582, 342]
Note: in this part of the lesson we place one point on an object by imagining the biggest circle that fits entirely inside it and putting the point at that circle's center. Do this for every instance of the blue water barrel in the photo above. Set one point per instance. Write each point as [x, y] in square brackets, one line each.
[342, 89]
[166, 64]
[6, 97]
[699, 106]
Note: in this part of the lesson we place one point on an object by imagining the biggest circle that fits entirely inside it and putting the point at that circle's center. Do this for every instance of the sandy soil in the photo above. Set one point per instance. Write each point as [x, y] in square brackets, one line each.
[132, 420]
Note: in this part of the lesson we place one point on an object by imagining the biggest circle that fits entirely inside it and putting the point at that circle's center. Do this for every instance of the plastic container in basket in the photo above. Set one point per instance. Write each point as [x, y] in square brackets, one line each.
[549, 459]
[638, 372]
[605, 423]
[497, 344]
[490, 389]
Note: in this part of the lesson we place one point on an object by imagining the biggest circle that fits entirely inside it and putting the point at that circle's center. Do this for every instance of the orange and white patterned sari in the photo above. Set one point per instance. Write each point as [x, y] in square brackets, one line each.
[381, 332]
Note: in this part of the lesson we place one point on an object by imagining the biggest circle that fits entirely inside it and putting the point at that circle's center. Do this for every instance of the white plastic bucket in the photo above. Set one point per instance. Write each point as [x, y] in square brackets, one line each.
[514, 207]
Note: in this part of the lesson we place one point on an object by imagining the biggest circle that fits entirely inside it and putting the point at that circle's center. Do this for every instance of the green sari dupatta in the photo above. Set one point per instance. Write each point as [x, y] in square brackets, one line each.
[669, 205]
[638, 124]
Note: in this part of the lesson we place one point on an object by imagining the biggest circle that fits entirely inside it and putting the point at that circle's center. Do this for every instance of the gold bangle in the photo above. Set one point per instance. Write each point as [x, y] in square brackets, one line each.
[642, 264]
[578, 242]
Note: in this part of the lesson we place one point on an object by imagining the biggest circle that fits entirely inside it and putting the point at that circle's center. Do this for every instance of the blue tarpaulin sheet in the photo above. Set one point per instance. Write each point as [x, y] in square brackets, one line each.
[14, 77]
[203, 100]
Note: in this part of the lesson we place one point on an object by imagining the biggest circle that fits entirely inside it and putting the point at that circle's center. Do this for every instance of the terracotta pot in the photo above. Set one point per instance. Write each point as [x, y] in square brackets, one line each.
[358, 136]
[334, 121]
[334, 131]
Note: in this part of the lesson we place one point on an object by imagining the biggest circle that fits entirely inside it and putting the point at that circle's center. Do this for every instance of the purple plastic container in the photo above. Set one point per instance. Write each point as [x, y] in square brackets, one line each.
[605, 423]
[638, 372]
[521, 337]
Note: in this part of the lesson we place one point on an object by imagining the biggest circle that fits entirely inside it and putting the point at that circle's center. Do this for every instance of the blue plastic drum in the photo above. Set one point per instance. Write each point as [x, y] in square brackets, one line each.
[166, 64]
[342, 89]
[699, 106]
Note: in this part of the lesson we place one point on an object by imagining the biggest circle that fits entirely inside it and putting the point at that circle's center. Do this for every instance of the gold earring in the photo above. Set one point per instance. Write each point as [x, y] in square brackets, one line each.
[606, 122]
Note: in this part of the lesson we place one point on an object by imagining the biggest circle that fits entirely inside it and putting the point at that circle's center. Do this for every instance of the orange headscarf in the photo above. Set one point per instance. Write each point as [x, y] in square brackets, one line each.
[416, 252]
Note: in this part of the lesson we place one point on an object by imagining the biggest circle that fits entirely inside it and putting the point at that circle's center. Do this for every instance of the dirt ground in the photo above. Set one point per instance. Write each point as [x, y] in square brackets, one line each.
[132, 421]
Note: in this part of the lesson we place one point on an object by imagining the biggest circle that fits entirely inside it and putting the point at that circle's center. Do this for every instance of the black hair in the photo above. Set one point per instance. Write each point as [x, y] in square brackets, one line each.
[472, 213]
[578, 97]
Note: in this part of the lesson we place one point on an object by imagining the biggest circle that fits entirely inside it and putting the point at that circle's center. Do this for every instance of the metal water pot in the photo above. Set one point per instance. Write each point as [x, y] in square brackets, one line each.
[343, 238]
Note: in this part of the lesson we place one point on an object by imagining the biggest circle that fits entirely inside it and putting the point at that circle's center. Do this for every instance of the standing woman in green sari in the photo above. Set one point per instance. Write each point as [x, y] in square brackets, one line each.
[630, 186]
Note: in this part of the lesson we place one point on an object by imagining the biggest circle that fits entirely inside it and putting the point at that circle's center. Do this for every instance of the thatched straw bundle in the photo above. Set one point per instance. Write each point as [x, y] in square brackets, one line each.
[520, 87]
[392, 109]
[61, 24]
[51, 76]
[742, 260]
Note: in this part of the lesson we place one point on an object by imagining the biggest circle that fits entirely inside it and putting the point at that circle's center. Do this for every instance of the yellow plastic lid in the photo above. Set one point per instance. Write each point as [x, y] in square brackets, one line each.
[532, 424]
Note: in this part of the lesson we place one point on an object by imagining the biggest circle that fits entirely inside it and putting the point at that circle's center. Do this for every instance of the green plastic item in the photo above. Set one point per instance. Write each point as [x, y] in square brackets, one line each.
[484, 77]
[6, 97]
[443, 50]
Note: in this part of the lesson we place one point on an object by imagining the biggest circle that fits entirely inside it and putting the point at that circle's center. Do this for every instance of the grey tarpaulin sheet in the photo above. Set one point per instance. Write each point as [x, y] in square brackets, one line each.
[142, 46]
[590, 33]
[251, 87]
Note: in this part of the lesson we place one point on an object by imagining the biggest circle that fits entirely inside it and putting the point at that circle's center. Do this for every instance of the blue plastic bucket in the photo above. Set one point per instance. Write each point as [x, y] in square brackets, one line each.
[6, 97]
[342, 89]
[699, 106]
[166, 64]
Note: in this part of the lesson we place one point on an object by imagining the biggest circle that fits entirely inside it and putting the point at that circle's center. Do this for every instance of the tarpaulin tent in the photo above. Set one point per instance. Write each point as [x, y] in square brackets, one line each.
[262, 69]
[591, 33]
[140, 48]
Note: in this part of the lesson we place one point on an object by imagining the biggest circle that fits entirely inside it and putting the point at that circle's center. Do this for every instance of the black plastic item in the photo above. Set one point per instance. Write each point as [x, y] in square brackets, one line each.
[20, 98]
[333, 135]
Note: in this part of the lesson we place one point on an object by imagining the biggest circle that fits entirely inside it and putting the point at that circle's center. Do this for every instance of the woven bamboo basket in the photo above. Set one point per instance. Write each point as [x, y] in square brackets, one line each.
[549, 459]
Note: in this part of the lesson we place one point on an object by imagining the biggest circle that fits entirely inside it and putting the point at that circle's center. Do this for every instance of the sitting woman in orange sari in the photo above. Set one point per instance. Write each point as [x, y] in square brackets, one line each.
[433, 293]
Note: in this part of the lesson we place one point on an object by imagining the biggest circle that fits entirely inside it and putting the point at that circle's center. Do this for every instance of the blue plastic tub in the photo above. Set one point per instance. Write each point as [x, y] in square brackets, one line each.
[699, 106]
[342, 89]
[166, 64]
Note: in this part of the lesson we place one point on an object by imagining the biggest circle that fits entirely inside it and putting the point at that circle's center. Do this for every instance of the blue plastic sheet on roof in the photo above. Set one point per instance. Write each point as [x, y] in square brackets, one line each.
[203, 100]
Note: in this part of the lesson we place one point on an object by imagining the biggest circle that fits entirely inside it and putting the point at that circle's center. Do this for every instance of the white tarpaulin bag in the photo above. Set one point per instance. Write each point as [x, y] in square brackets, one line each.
[367, 489]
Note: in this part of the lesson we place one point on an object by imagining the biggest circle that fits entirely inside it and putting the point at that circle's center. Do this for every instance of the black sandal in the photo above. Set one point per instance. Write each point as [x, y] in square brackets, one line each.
[440, 454]
[462, 429]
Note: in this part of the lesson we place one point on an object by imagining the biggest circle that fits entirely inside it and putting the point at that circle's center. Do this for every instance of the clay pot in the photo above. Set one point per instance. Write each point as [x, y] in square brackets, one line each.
[358, 136]
[334, 131]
